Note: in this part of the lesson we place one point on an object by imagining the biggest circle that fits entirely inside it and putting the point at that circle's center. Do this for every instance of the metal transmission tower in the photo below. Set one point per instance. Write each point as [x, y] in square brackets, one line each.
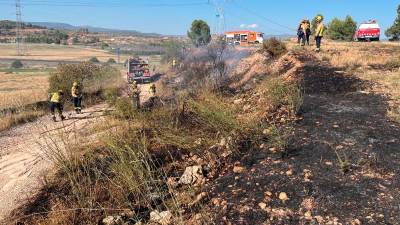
[19, 39]
[220, 25]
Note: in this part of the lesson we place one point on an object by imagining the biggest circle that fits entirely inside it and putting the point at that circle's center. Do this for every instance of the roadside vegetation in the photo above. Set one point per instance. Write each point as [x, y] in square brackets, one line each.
[133, 167]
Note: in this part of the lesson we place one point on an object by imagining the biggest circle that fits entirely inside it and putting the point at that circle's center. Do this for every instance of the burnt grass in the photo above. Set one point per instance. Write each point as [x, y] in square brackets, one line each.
[340, 116]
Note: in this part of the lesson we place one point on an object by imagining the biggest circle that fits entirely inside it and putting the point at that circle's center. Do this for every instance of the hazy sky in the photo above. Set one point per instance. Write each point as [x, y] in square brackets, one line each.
[175, 16]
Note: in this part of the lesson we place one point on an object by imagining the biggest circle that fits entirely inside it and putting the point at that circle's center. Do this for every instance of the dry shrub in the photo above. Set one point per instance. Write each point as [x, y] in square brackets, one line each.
[95, 79]
[9, 120]
[280, 93]
[274, 47]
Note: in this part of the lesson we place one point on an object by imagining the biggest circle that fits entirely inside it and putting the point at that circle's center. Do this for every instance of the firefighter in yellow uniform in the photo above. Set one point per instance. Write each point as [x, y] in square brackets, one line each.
[153, 94]
[173, 63]
[76, 93]
[319, 32]
[56, 103]
[135, 92]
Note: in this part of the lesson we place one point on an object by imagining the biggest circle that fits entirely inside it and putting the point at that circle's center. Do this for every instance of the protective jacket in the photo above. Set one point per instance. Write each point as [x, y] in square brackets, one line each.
[319, 32]
[55, 97]
[76, 91]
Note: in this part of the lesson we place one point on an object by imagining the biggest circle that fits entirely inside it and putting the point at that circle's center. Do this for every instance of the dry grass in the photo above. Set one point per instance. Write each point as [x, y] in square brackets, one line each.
[22, 88]
[10, 120]
[56, 52]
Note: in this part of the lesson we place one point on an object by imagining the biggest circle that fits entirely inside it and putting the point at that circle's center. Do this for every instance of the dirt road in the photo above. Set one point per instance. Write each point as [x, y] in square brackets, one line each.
[23, 162]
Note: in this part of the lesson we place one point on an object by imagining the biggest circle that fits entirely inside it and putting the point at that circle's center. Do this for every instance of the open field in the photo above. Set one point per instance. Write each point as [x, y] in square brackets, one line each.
[22, 88]
[56, 53]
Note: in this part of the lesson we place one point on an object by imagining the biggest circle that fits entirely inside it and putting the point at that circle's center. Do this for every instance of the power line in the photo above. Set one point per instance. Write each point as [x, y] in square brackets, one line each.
[95, 5]
[263, 17]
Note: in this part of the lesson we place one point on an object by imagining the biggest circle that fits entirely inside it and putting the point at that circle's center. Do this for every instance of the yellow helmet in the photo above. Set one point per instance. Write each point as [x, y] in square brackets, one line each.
[75, 83]
[319, 18]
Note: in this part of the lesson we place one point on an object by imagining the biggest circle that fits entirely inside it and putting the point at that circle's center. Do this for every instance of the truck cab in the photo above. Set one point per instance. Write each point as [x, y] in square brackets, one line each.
[368, 31]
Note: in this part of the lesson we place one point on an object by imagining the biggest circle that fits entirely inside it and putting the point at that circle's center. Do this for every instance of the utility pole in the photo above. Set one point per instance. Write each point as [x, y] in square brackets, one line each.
[19, 37]
[220, 15]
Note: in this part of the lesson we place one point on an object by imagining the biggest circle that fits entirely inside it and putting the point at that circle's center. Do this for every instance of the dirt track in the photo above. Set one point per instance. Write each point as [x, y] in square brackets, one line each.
[23, 161]
[22, 154]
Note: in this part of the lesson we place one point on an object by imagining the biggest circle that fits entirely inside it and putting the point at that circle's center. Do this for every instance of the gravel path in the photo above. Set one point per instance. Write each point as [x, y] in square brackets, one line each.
[23, 162]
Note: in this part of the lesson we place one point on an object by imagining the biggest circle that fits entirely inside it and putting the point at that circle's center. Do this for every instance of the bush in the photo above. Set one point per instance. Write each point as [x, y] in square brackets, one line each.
[111, 61]
[94, 60]
[342, 30]
[104, 45]
[17, 64]
[94, 79]
[281, 93]
[274, 47]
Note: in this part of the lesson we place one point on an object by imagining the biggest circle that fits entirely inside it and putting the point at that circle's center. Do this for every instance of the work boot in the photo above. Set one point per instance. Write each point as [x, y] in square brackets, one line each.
[62, 117]
[77, 111]
[54, 118]
[317, 50]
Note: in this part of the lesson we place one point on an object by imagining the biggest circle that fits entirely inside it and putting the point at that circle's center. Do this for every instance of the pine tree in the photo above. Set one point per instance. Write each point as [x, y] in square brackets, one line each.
[393, 32]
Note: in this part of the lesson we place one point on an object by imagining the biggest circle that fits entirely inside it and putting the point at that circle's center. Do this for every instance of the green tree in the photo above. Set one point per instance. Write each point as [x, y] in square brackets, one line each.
[342, 29]
[393, 32]
[199, 33]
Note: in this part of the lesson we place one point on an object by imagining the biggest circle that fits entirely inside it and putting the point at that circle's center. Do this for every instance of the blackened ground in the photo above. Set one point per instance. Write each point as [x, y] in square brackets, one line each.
[344, 158]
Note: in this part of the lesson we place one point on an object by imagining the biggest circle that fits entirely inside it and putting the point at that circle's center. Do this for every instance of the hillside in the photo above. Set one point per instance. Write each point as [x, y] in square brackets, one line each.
[278, 135]
[68, 27]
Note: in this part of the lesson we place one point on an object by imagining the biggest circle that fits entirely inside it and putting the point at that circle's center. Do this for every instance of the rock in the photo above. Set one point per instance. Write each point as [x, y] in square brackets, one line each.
[112, 220]
[216, 201]
[238, 169]
[192, 175]
[289, 172]
[308, 215]
[283, 197]
[246, 108]
[163, 218]
[262, 205]
[238, 101]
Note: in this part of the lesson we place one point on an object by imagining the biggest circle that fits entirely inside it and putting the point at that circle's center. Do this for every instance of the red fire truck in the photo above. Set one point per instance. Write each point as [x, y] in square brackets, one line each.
[368, 31]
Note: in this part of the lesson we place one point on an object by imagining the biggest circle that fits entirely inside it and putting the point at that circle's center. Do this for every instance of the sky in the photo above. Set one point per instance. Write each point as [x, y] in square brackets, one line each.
[173, 17]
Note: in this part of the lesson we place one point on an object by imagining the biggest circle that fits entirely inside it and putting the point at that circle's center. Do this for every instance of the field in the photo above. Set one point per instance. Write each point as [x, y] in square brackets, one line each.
[45, 52]
[22, 88]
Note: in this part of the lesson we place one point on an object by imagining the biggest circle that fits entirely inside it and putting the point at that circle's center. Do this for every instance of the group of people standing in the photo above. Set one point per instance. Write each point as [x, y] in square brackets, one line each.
[304, 32]
[57, 101]
[135, 95]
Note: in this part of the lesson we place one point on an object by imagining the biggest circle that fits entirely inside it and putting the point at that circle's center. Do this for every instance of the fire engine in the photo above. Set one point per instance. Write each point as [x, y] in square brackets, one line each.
[139, 71]
[368, 31]
[244, 37]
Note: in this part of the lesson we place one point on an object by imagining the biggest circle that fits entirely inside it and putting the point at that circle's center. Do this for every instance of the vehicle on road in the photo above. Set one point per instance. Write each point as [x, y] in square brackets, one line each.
[368, 31]
[244, 37]
[139, 71]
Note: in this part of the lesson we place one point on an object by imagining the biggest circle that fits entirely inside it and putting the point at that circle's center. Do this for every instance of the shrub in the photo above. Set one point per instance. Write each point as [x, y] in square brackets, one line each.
[17, 64]
[104, 45]
[111, 61]
[342, 29]
[274, 47]
[281, 93]
[94, 60]
[94, 79]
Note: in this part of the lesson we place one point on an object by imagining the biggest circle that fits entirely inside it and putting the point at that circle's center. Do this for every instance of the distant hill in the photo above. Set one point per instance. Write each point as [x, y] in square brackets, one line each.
[69, 27]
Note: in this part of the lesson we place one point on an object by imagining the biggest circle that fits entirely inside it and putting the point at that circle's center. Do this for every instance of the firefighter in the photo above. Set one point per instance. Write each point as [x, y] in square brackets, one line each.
[300, 33]
[56, 103]
[173, 63]
[135, 92]
[76, 93]
[153, 94]
[319, 32]
[307, 30]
